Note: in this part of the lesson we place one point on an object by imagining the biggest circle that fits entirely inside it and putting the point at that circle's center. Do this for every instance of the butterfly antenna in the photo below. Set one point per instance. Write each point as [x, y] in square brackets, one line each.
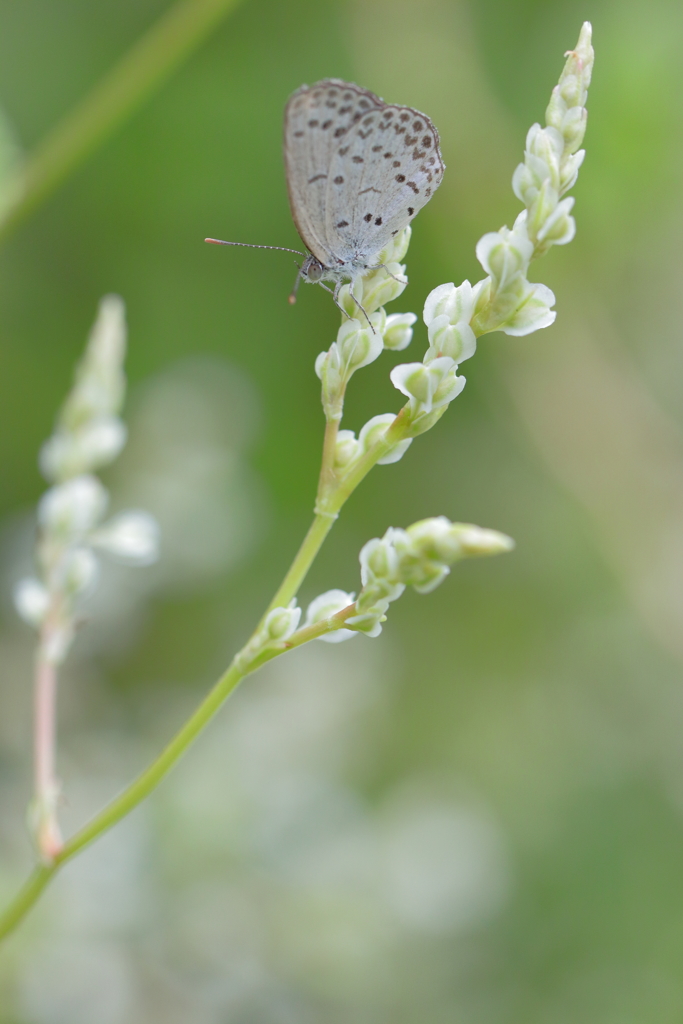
[250, 245]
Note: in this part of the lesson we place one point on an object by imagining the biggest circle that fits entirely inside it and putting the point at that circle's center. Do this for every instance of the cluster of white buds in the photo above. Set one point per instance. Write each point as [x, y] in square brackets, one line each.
[552, 158]
[506, 300]
[88, 435]
[419, 556]
[368, 330]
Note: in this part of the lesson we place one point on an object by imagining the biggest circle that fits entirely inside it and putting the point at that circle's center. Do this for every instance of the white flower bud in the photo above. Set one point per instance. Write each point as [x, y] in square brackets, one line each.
[350, 297]
[505, 254]
[580, 64]
[131, 536]
[67, 454]
[457, 341]
[447, 300]
[547, 146]
[324, 607]
[368, 623]
[78, 571]
[31, 600]
[100, 383]
[570, 170]
[475, 540]
[559, 228]
[281, 622]
[524, 184]
[542, 207]
[396, 249]
[434, 537]
[430, 386]
[375, 429]
[383, 286]
[320, 365]
[556, 109]
[72, 509]
[347, 448]
[427, 576]
[357, 346]
[573, 128]
[378, 560]
[398, 331]
[441, 540]
[328, 367]
[533, 313]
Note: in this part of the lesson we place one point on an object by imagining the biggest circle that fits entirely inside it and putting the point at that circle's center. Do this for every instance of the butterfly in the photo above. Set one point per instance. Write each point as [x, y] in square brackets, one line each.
[358, 171]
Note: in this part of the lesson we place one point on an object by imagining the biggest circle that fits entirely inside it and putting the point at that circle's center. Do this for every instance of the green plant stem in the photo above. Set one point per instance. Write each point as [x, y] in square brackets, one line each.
[313, 541]
[328, 476]
[143, 68]
[26, 897]
[320, 527]
[141, 787]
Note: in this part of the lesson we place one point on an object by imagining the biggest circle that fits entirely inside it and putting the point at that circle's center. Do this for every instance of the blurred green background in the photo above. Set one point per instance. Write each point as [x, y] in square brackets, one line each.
[477, 817]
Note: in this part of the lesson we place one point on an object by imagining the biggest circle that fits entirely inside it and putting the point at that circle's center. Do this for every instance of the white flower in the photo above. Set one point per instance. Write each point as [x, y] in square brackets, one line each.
[373, 430]
[31, 599]
[533, 313]
[457, 341]
[447, 313]
[505, 254]
[73, 508]
[70, 453]
[570, 170]
[559, 228]
[475, 540]
[439, 539]
[383, 285]
[429, 386]
[282, 622]
[324, 607]
[100, 382]
[78, 571]
[131, 536]
[447, 300]
[358, 345]
[347, 448]
[320, 364]
[398, 331]
[396, 249]
[379, 559]
[369, 623]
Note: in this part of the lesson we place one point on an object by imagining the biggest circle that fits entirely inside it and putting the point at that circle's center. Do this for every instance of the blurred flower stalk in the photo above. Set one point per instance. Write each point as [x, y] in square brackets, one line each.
[90, 434]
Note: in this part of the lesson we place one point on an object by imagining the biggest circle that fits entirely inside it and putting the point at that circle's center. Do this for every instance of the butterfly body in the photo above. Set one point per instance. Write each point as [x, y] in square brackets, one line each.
[358, 171]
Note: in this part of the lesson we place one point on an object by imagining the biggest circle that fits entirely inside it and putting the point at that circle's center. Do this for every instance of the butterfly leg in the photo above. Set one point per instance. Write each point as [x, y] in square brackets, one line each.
[362, 308]
[334, 299]
[380, 265]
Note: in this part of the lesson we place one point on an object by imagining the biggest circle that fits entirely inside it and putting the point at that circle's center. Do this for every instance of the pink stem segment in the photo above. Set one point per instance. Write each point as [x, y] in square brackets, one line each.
[47, 834]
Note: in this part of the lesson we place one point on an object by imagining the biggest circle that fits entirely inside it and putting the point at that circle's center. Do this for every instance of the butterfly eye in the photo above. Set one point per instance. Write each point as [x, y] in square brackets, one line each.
[314, 272]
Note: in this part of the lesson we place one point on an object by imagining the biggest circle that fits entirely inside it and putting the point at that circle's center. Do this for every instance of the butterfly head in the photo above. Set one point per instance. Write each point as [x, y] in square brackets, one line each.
[312, 271]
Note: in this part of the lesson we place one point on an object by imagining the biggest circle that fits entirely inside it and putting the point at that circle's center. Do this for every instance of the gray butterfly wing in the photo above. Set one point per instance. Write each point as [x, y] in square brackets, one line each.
[358, 169]
[312, 120]
[394, 157]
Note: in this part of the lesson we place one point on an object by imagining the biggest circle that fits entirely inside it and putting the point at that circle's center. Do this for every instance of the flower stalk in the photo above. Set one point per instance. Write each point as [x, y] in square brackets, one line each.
[88, 434]
[419, 556]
